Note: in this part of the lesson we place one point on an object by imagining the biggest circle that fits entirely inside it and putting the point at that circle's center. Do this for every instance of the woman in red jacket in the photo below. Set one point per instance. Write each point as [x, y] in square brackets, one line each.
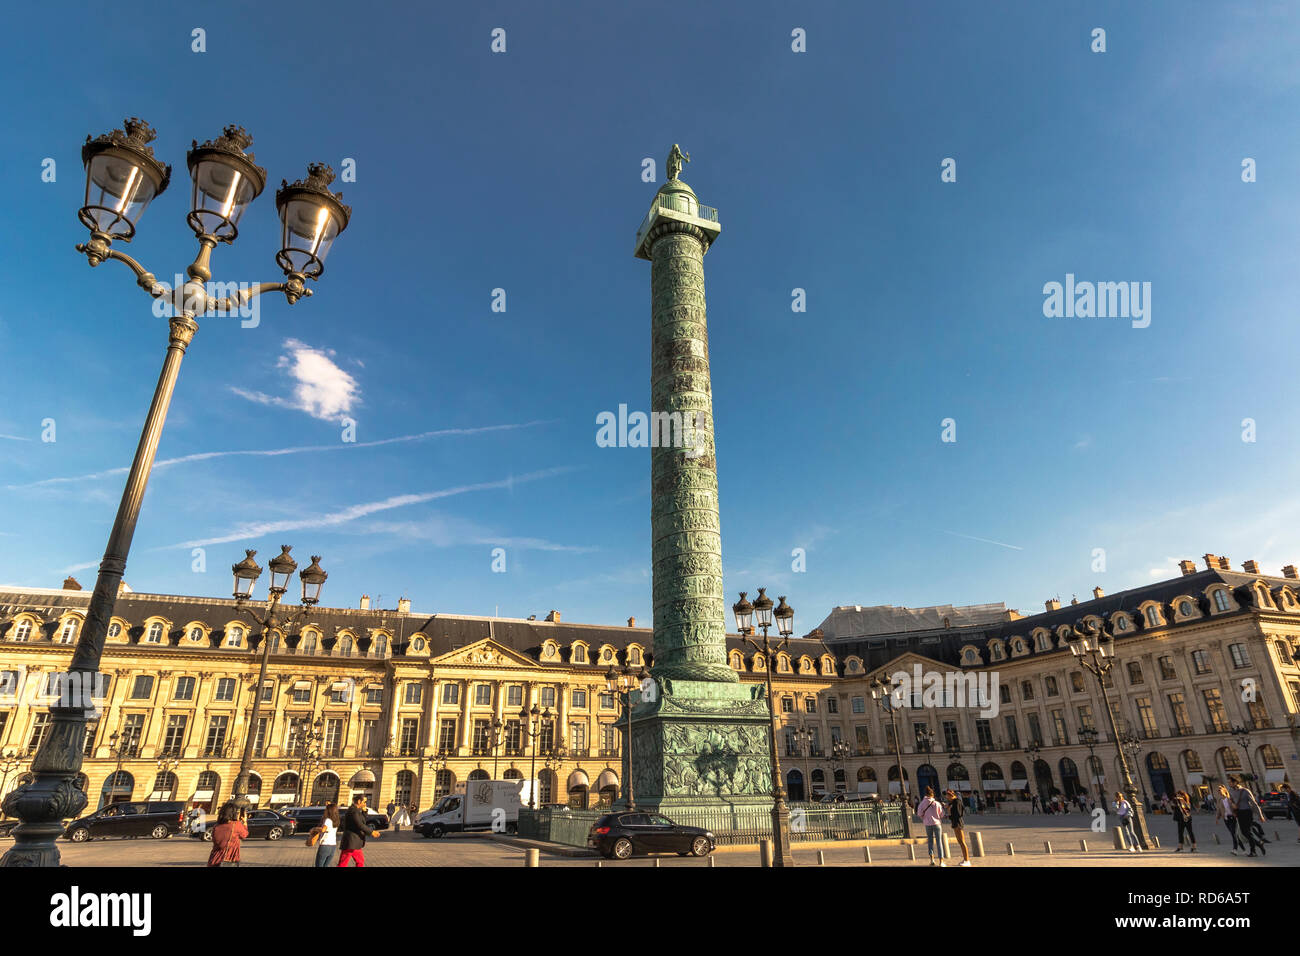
[230, 829]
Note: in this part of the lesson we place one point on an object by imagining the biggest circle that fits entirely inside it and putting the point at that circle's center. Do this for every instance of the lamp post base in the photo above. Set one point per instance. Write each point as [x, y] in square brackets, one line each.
[781, 855]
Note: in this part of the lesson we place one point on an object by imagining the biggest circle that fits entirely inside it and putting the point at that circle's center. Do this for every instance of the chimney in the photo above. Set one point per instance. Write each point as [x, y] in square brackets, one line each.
[71, 584]
[1074, 599]
[1223, 564]
[1211, 562]
[1098, 594]
[532, 617]
[1187, 567]
[404, 606]
[1290, 572]
[553, 617]
[631, 622]
[1251, 567]
[1052, 604]
[365, 602]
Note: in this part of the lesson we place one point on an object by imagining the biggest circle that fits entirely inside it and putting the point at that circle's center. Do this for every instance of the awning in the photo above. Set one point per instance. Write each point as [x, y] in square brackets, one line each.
[300, 684]
[1194, 778]
[1274, 776]
[340, 685]
[160, 795]
[281, 798]
[866, 786]
[202, 795]
[607, 779]
[1019, 784]
[995, 785]
[362, 777]
[958, 784]
[895, 787]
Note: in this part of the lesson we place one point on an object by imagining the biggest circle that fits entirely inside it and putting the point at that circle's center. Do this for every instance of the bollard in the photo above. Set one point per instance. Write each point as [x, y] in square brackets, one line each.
[1119, 839]
[947, 847]
[1083, 845]
[1216, 840]
[1276, 838]
[599, 864]
[1047, 847]
[532, 857]
[866, 854]
[713, 860]
[764, 852]
[1155, 842]
[1011, 850]
[656, 863]
[821, 857]
[977, 845]
[911, 851]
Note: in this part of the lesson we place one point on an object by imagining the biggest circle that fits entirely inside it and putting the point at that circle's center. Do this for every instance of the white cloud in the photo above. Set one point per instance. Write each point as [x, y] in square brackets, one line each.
[321, 389]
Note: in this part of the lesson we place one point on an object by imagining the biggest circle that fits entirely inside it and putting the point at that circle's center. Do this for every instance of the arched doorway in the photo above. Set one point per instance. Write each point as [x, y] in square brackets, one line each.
[206, 791]
[1070, 783]
[895, 786]
[546, 786]
[958, 778]
[794, 786]
[867, 780]
[363, 784]
[818, 783]
[404, 788]
[1019, 780]
[254, 789]
[1043, 779]
[164, 787]
[993, 783]
[117, 788]
[285, 790]
[443, 783]
[607, 788]
[325, 789]
[926, 776]
[841, 781]
[478, 775]
[1162, 780]
[579, 790]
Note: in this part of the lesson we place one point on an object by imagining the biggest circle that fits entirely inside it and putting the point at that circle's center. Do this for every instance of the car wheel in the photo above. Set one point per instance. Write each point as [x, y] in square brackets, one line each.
[275, 833]
[160, 832]
[512, 828]
[80, 835]
[623, 848]
[700, 846]
[436, 831]
[207, 835]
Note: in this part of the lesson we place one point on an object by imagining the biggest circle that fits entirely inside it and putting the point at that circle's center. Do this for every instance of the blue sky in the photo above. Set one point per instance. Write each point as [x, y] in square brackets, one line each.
[522, 171]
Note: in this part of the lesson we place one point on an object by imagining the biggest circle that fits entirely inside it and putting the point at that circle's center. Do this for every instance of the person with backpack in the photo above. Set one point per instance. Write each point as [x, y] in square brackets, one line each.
[955, 812]
[1246, 807]
[931, 812]
[1181, 808]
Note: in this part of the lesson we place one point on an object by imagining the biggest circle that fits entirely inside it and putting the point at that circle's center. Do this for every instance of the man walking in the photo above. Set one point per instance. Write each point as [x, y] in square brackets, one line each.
[355, 830]
[1246, 807]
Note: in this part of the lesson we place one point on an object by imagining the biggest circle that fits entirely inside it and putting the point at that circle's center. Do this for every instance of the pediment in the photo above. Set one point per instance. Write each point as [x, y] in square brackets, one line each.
[485, 653]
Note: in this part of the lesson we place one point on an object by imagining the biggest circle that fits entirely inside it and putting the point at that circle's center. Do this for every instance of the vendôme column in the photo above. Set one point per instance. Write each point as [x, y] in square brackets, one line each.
[699, 739]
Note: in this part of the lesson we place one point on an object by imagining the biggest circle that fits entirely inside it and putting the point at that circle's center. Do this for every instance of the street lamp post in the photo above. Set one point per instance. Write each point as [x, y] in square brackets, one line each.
[122, 176]
[1132, 745]
[497, 731]
[745, 612]
[1088, 737]
[1093, 649]
[839, 755]
[1031, 754]
[166, 764]
[9, 762]
[1241, 736]
[305, 737]
[535, 722]
[887, 697]
[246, 573]
[623, 681]
[803, 747]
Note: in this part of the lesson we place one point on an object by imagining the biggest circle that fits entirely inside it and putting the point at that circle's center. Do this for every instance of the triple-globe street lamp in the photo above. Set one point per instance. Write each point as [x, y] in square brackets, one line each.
[623, 681]
[889, 698]
[746, 612]
[536, 721]
[122, 177]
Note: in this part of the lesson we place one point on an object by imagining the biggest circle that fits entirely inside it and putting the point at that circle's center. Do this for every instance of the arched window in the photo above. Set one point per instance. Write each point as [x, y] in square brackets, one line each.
[235, 636]
[1192, 760]
[634, 655]
[345, 645]
[1272, 759]
[1153, 616]
[479, 775]
[164, 786]
[1263, 597]
[737, 661]
[196, 634]
[970, 656]
[114, 629]
[1121, 622]
[117, 788]
[155, 633]
[23, 631]
[1185, 608]
[545, 787]
[69, 631]
[579, 654]
[442, 784]
[381, 645]
[512, 774]
[309, 643]
[1220, 599]
[325, 790]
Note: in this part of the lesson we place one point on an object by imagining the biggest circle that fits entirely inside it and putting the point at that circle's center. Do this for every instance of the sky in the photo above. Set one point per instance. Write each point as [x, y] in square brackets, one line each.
[1089, 451]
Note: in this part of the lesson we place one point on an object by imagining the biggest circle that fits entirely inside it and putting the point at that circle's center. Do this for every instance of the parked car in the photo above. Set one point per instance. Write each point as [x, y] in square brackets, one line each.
[1274, 804]
[308, 817]
[262, 824]
[157, 820]
[620, 835]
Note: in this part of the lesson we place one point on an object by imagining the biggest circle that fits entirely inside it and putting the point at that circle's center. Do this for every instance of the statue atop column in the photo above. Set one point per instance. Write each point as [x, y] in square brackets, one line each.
[675, 162]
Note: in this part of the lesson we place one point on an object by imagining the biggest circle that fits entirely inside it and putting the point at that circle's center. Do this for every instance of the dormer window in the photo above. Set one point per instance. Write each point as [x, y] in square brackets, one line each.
[1185, 608]
[23, 632]
[234, 636]
[1153, 616]
[69, 631]
[1220, 599]
[1263, 597]
[154, 636]
[196, 634]
[548, 651]
[1121, 622]
[634, 656]
[579, 654]
[114, 629]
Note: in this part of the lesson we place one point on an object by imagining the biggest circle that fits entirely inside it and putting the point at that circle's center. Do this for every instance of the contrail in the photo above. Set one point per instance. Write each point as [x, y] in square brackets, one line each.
[272, 452]
[971, 537]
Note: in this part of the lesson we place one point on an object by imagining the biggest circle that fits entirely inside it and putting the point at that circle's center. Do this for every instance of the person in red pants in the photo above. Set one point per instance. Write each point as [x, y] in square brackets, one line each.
[355, 830]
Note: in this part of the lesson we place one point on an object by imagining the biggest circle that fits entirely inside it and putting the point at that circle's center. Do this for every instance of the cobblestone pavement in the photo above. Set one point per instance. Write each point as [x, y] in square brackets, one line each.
[1027, 834]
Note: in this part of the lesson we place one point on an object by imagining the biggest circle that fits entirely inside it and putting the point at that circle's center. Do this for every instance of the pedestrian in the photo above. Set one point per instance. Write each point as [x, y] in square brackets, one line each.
[226, 836]
[355, 829]
[1182, 810]
[931, 812]
[1124, 810]
[955, 812]
[1033, 803]
[402, 818]
[1225, 814]
[1245, 806]
[327, 836]
[1292, 805]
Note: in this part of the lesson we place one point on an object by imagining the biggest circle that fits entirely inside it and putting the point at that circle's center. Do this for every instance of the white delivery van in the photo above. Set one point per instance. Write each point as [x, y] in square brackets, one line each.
[484, 805]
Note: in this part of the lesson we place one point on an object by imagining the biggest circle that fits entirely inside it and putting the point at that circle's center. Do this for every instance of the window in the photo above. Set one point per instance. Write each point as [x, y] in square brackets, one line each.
[345, 645]
[483, 695]
[1013, 732]
[447, 735]
[69, 631]
[92, 728]
[8, 685]
[451, 693]
[114, 629]
[50, 685]
[23, 632]
[216, 742]
[609, 739]
[374, 695]
[1004, 693]
[859, 705]
[950, 739]
[984, 733]
[1076, 682]
[810, 705]
[548, 697]
[577, 737]
[1052, 690]
[481, 736]
[370, 738]
[1214, 710]
[1085, 718]
[259, 737]
[268, 692]
[1134, 672]
[1035, 731]
[142, 688]
[381, 645]
[787, 705]
[1059, 735]
[1026, 690]
[1146, 717]
[634, 655]
[1167, 671]
[1220, 600]
[832, 705]
[155, 634]
[515, 696]
[128, 741]
[174, 736]
[333, 743]
[340, 695]
[234, 636]
[579, 654]
[184, 688]
[1153, 616]
[410, 736]
[546, 737]
[196, 634]
[514, 737]
[309, 643]
[1201, 662]
[1178, 707]
[607, 701]
[1283, 652]
[413, 693]
[1240, 655]
[579, 700]
[40, 729]
[1259, 719]
[225, 689]
[302, 695]
[1272, 759]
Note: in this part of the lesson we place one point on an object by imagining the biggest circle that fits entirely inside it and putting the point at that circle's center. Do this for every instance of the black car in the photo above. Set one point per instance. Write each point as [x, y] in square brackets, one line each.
[157, 820]
[308, 817]
[619, 835]
[1274, 805]
[262, 824]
